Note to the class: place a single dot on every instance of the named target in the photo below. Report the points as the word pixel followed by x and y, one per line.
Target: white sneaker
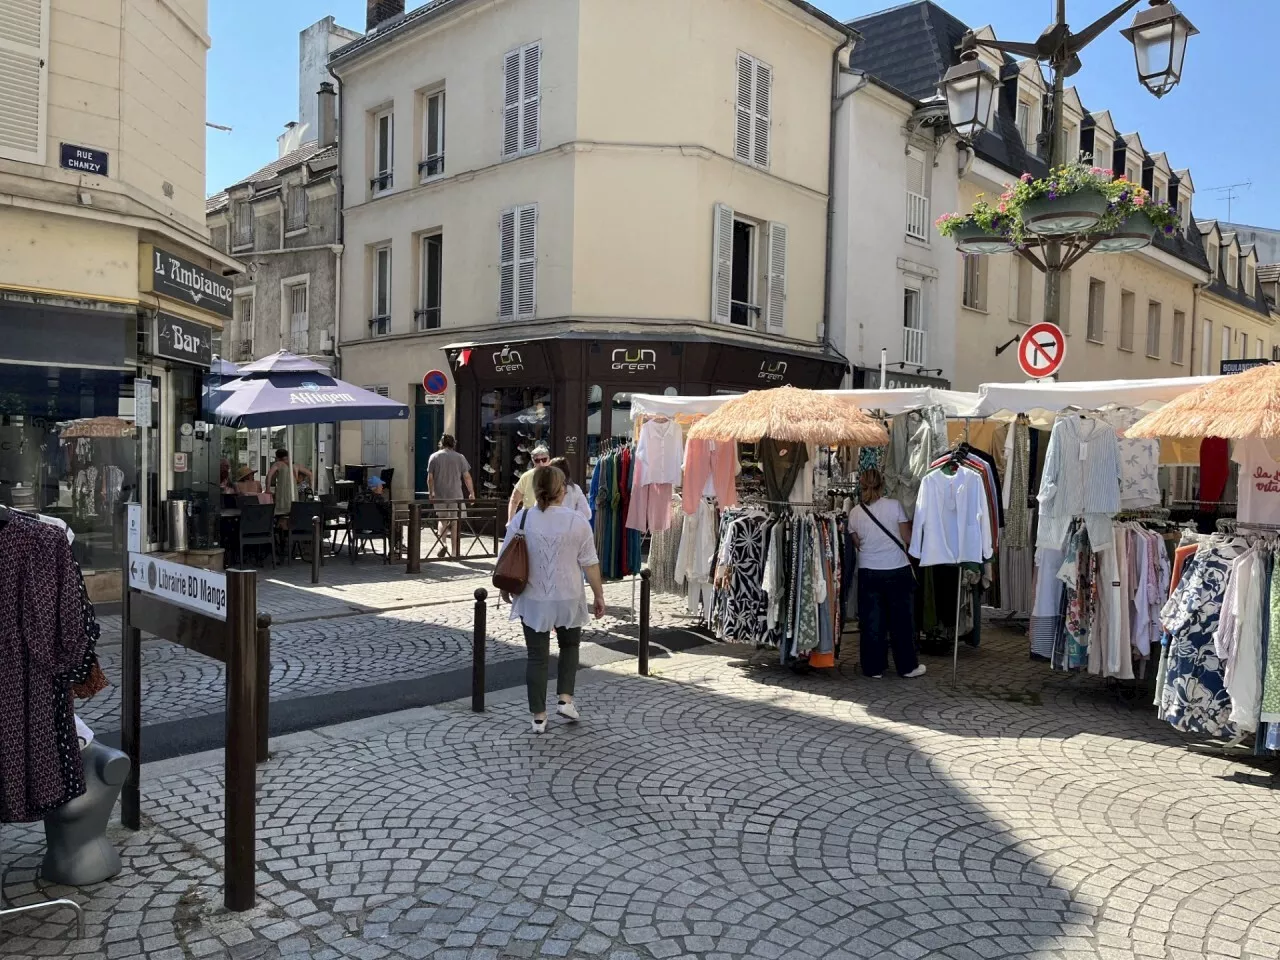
pixel 919 671
pixel 539 726
pixel 568 711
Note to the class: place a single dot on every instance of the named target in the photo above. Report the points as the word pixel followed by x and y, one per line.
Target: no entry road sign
pixel 1042 350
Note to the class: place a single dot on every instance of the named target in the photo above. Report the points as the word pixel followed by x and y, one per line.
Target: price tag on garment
pixel 1084 451
pixel 142 403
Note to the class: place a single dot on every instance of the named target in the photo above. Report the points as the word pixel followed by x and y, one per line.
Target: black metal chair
pixel 386 476
pixel 353 474
pixel 301 531
pixel 368 523
pixel 257 528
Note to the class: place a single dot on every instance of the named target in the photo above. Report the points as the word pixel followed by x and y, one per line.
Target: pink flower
pixel 1026 178
pixel 1140 200
pixel 1003 207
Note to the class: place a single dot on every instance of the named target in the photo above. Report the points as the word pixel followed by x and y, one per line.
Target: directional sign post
pixel 1042 350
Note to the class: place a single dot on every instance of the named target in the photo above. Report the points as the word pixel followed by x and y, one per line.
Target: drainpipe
pixel 1195 324
pixel 337 277
pixel 839 63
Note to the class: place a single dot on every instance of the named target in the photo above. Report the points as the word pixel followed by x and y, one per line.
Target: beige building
pixel 1236 322
pixel 555 234
pixel 1126 315
pixel 106 273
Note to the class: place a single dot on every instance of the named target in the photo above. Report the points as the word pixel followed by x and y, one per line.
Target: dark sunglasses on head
pixel 542 461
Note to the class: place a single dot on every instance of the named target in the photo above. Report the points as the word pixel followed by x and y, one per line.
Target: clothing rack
pixel 1233 526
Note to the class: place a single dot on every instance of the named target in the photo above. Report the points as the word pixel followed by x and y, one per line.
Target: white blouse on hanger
pixel 660 450
pixel 952 519
pixel 1081 479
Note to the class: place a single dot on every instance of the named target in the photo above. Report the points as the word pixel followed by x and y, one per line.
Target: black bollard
pixel 413 547
pixel 645 574
pixel 317 542
pixel 477 653
pixel 264 683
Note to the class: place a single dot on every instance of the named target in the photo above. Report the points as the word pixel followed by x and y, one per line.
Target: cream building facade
pixel 1236 319
pixel 553 235
pixel 106 272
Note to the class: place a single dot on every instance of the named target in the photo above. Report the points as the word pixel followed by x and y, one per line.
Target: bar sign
pixel 84 159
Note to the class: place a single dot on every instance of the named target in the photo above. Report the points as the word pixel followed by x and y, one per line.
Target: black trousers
pixel 886 608
pixel 568 639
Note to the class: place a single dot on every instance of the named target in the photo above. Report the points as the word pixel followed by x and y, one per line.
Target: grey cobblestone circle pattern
pixel 723 810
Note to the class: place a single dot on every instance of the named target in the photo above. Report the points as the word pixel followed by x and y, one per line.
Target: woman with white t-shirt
pixel 886 583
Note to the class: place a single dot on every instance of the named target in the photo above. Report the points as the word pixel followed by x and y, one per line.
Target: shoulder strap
pixel 883 528
pixel 524 515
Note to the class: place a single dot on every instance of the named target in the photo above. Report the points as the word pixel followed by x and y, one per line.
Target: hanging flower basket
pixel 1135 233
pixel 974 238
pixel 1064 214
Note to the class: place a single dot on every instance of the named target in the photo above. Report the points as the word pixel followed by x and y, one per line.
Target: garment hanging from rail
pixel 1081 479
pixel 696 556
pixel 1139 462
pixel 915 438
pixel 953 522
pixel 47 638
pixel 1017 479
pixel 664 548
pixel 710 469
pixel 610 497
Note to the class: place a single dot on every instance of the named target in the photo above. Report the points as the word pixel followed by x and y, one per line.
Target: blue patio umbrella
pixel 290 398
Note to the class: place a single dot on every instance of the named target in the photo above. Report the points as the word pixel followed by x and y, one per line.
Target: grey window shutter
pixel 507 264
pixel 527 252
pixel 745 105
pixel 24 83
pixel 776 305
pixel 511 105
pixel 764 93
pixel 722 264
pixel 530 97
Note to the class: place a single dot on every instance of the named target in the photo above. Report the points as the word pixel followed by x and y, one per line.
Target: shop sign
pixel 204 591
pixel 507 360
pixel 183 280
pixel 1229 367
pixel 84 159
pixel 142 403
pixel 634 360
pixel 868 378
pixel 773 371
pixel 184 340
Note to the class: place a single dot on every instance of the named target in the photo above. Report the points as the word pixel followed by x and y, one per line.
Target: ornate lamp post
pixel 1159 37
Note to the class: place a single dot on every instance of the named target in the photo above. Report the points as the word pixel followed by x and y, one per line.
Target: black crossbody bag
pixel 885 531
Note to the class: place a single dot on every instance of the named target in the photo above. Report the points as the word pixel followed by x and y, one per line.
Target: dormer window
pixel 1215 264
pixel 1250 278
pixel 1233 268
pixel 1071 149
pixel 1026 123
pixel 1159 191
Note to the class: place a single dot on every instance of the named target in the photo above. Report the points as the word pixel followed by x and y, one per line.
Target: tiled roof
pixel 307 153
pixel 406 21
pixel 909 47
pixel 1269 272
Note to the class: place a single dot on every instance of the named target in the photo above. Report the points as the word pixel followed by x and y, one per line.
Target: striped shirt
pixel 1081 479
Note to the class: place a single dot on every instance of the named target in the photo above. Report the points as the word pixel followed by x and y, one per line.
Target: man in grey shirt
pixel 447 472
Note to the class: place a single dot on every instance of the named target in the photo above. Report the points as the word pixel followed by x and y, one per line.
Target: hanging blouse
pixel 1081 479
pixel 1139 463
pixel 660 450
pixel 953 521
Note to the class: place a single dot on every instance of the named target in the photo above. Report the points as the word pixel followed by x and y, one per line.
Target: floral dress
pixel 1080 601
pixel 1194 696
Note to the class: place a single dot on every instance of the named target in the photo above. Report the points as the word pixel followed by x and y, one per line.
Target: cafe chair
pixel 353 474
pixel 386 476
pixel 368 523
pixel 301 531
pixel 257 528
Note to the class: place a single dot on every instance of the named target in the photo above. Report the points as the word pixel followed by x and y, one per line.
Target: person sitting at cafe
pixel 375 492
pixel 247 484
pixel 224 477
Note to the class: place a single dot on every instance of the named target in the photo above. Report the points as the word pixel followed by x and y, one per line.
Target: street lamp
pixel 970 90
pixel 1159 37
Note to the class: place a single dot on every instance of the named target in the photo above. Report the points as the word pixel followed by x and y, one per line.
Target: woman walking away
pixel 561 550
pixel 886 583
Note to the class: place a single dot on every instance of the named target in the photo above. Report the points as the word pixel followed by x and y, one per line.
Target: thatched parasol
pixel 97 428
pixel 787 413
pixel 1235 407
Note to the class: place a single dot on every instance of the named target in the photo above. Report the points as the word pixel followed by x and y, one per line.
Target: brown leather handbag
pixel 511 572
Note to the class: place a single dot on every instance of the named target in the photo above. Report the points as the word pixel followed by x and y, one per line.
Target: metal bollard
pixel 645 574
pixel 317 547
pixel 414 545
pixel 264 683
pixel 477 653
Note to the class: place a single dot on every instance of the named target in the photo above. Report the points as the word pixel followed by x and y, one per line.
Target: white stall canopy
pixel 955 403
pixel 1043 400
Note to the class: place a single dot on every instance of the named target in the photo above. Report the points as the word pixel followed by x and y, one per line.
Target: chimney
pixel 287 142
pixel 380 11
pixel 327 115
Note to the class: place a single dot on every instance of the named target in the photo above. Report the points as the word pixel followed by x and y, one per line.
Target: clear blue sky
pixel 1215 122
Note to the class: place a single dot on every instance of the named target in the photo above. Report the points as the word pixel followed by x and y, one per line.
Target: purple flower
pixel 1053 194
pixel 1168 229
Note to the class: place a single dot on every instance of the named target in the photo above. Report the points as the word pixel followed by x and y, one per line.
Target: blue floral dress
pixel 1194 697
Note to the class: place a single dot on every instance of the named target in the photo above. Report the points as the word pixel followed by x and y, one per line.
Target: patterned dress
pixel 1194 696
pixel 743 613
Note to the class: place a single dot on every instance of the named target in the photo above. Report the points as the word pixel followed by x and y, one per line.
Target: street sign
pixel 1042 350
pixel 134 521
pixel 142 403
pixel 204 591
pixel 1228 367
pixel 435 382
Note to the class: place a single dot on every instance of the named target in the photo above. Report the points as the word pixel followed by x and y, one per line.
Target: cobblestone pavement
pixel 725 809
pixel 333 654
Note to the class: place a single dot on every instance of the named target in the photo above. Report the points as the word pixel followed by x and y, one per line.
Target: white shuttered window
pixel 375 435
pixel 754 105
pixel 522 100
pixel 776 302
pixel 518 263
pixel 24 57
pixel 722 264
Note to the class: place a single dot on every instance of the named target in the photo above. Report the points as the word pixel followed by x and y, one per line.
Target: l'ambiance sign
pixel 181 279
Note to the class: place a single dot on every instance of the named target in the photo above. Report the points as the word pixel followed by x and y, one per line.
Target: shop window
pixel 512 421
pixel 595 403
pixel 620 416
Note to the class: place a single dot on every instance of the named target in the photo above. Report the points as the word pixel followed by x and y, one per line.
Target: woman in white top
pixel 561 550
pixel 574 498
pixel 886 584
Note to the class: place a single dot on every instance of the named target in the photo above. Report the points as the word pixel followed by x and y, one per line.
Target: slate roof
pixel 909 47
pixel 406 21
pixel 1268 272
pixel 310 152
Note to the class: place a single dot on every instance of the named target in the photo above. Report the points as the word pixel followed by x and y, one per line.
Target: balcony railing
pixel 427 318
pixel 917 215
pixel 913 345
pixel 745 314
